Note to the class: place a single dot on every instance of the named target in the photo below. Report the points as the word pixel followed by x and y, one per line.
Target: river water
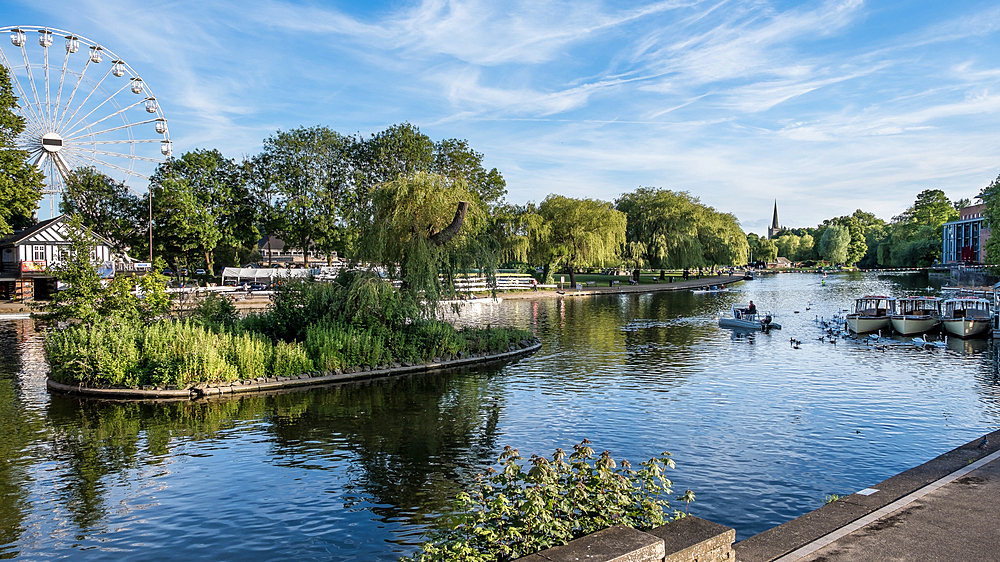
pixel 761 431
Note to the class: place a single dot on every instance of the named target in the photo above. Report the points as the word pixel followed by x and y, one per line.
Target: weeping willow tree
pixel 663 228
pixel 722 239
pixel 576 232
pixel 426 231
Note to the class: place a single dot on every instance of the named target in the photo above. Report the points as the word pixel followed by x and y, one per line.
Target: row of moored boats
pixel 964 317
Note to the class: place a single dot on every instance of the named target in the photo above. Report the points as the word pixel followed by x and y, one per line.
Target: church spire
pixel 775 228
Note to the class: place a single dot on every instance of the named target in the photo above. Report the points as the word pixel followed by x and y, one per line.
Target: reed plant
pixel 172 354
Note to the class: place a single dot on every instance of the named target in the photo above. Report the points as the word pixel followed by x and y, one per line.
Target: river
pixel 761 431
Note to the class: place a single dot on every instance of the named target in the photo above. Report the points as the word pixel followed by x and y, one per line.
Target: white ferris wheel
pixel 83 106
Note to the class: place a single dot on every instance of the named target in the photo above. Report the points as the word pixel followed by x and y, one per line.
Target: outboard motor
pixel 765 324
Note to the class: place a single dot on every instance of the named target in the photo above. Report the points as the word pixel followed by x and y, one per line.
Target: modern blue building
pixel 963 241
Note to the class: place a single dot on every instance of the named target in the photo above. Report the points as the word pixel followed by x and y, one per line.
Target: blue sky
pixel 825 106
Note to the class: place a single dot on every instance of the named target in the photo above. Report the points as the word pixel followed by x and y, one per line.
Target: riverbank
pixel 940 510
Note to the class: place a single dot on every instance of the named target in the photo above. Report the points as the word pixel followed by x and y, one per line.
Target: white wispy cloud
pixel 825 105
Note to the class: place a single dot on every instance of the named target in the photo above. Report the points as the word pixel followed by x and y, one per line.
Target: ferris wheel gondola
pixel 82 112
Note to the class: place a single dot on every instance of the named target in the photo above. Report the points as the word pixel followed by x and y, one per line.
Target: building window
pixel 38 253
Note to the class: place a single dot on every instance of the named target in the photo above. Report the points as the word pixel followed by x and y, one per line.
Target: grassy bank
pixel 311 326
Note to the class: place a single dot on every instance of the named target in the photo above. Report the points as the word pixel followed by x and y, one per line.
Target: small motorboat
pixel 966 316
pixel 741 318
pixel 710 289
pixel 916 315
pixel 871 314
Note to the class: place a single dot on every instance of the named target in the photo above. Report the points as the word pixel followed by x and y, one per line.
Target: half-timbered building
pixel 26 257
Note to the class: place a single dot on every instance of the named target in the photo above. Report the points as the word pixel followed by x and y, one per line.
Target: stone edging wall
pixel 314 378
pixel 689 539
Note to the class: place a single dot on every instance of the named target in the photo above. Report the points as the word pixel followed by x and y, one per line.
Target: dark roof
pixel 19 236
pixel 12 239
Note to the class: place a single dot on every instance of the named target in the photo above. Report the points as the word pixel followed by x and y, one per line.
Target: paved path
pixel 262 301
pixel 957 521
pixel 945 509
pixel 644 288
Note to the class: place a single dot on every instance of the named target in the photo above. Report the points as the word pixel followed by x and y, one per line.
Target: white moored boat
pixel 871 314
pixel 916 315
pixel 966 316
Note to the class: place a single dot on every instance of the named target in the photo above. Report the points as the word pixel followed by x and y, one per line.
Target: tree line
pixel 910 239
pixel 388 199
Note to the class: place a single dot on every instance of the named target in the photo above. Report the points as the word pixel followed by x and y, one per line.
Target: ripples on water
pixel 760 431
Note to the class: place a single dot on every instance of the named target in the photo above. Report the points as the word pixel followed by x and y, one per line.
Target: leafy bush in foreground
pixel 514 512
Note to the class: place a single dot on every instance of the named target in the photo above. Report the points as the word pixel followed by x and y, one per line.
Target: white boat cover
pixel 263 274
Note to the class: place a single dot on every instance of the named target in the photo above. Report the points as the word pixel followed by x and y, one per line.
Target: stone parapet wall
pixel 690 539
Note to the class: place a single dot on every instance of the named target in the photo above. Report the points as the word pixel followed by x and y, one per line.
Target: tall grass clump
pixel 104 353
pixel 170 354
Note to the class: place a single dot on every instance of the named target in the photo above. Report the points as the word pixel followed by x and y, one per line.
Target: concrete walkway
pixel 945 509
pixel 260 301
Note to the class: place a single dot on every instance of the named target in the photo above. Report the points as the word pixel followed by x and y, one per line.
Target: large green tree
pixel 20 182
pixel 835 245
pixel 662 228
pixel 402 151
pixel 915 235
pixel 722 240
pixel 311 171
pixel 426 230
pixel 108 208
pixel 199 203
pixel 581 232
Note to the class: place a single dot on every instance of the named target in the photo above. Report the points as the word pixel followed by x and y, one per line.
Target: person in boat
pixel 752 309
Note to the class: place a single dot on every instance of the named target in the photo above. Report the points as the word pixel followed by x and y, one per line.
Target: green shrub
pixel 514 513
pixel 216 311
pixel 288 359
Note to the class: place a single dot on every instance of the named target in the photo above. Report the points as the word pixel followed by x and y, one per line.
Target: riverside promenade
pixel 261 299
pixel 944 509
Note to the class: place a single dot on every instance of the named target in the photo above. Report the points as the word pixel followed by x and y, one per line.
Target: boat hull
pixel 750 325
pixel 911 325
pixel 966 327
pixel 865 324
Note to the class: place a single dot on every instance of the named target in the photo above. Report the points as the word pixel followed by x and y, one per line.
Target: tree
pixel 20 182
pixel 198 204
pixel 107 207
pixel 426 227
pixel 454 158
pixel 857 247
pixel 311 170
pixel 835 244
pixel 876 232
pixel 662 228
pixel 767 251
pixel 582 232
pixel 990 196
pixel 722 240
pixel 915 232
pixel 806 247
pixel 788 245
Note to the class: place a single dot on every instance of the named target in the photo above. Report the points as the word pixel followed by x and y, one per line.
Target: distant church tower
pixel 774 229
